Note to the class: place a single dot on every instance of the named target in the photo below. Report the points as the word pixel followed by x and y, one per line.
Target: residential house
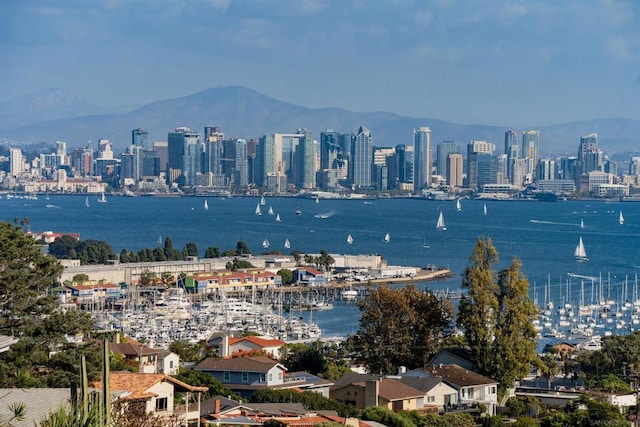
pixel 155 391
pixel 438 394
pixel 148 360
pixel 363 391
pixel 459 355
pixel 244 375
pixel 226 345
pixel 39 403
pixel 233 281
pixel 473 389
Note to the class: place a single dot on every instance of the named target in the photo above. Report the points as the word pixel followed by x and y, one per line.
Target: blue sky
pixel 510 63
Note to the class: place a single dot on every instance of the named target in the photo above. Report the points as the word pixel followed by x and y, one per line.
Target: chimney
pixel 371 392
pixel 216 409
pixel 402 370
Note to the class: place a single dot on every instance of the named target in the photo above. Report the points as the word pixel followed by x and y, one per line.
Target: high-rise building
pixel 214 151
pixel 305 164
pixel 589 156
pixel 361 157
pixel 454 170
pixel 474 148
pixel 241 172
pixel 530 142
pixel 140 138
pixel 442 155
pixel 546 170
pixel 178 140
pixel 487 170
pixel 16 161
pixel 61 151
pixel 422 160
pixel 511 150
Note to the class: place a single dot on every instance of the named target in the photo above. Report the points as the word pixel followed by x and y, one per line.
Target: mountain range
pixel 59 115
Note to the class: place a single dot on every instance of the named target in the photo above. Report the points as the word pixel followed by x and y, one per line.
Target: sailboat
pixel 271 211
pixel 581 223
pixel 458 205
pixel 206 206
pixel 102 198
pixel 621 219
pixel 159 239
pixel 287 244
pixel 258 209
pixel 317 199
pixel 484 209
pixel 277 217
pixel 580 253
pixel 265 243
pixel 440 225
pixel 424 243
pixel 387 238
pixel 86 201
pixel 263 201
pixel 349 239
pixel 298 211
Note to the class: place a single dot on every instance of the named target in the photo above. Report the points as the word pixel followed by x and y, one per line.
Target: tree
pixel 80 278
pixel 26 274
pixel 497 317
pixel 286 275
pixel 304 357
pixel 190 249
pixel 242 248
pixel 400 327
pixel 212 252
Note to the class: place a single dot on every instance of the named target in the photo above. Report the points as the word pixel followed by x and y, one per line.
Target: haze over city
pixel 509 63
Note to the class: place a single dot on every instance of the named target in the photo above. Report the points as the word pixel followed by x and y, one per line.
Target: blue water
pixel 543 235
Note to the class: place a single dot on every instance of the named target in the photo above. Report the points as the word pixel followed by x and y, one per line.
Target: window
pixel 270 377
pixel 161 404
pixel 280 376
pixel 493 390
pixel 171 364
pixel 226 376
pixel 431 399
pixel 263 378
pixel 245 377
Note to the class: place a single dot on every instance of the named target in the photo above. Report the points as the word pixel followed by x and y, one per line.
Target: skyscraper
pixel 422 160
pixel 454 170
pixel 473 149
pixel 530 141
pixel 305 160
pixel 140 138
pixel 511 150
pixel 361 157
pixel 178 140
pixel 16 161
pixel 589 156
pixel 442 155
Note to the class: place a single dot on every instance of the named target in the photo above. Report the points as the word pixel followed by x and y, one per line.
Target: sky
pixel 509 63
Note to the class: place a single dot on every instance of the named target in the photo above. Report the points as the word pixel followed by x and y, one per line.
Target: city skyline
pixel 515 64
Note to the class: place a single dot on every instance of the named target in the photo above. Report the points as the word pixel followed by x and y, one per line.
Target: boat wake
pixel 53 206
pixel 325 215
pixel 579 276
pixel 537 221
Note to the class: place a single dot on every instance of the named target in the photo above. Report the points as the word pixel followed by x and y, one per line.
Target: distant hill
pixel 245 113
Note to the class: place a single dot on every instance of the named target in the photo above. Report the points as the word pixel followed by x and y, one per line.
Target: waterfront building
pixel 82 160
pixel 361 158
pixel 455 170
pixel 178 141
pixel 382 156
pixel 444 149
pixel 546 170
pixel 333 160
pixel 422 160
pixel 530 142
pixel 474 148
pixel 486 169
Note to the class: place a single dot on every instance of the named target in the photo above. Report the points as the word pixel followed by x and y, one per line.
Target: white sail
pixel 263 201
pixel 265 243
pixel 621 219
pixel 580 253
pixel 387 238
pixel 349 239
pixel 159 241
pixel 278 218
pixel 86 201
pixel 440 225
pixel 102 198
pixel 581 223
pixel 287 244
pixel 458 205
pixel 317 199
pixel 484 209
pixel 271 211
pixel 258 209
pixel 206 206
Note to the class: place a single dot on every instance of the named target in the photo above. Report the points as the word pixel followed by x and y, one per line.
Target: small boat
pixel 581 223
pixel 298 211
pixel 271 212
pixel 102 198
pixel 277 217
pixel 265 243
pixel 440 224
pixel 349 294
pixel 258 212
pixel 387 238
pixel 159 241
pixel 317 199
pixel 484 209
pixel 287 244
pixel 206 206
pixel 621 218
pixel 349 239
pixel 263 201
pixel 86 201
pixel 458 205
pixel 424 244
pixel 580 254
